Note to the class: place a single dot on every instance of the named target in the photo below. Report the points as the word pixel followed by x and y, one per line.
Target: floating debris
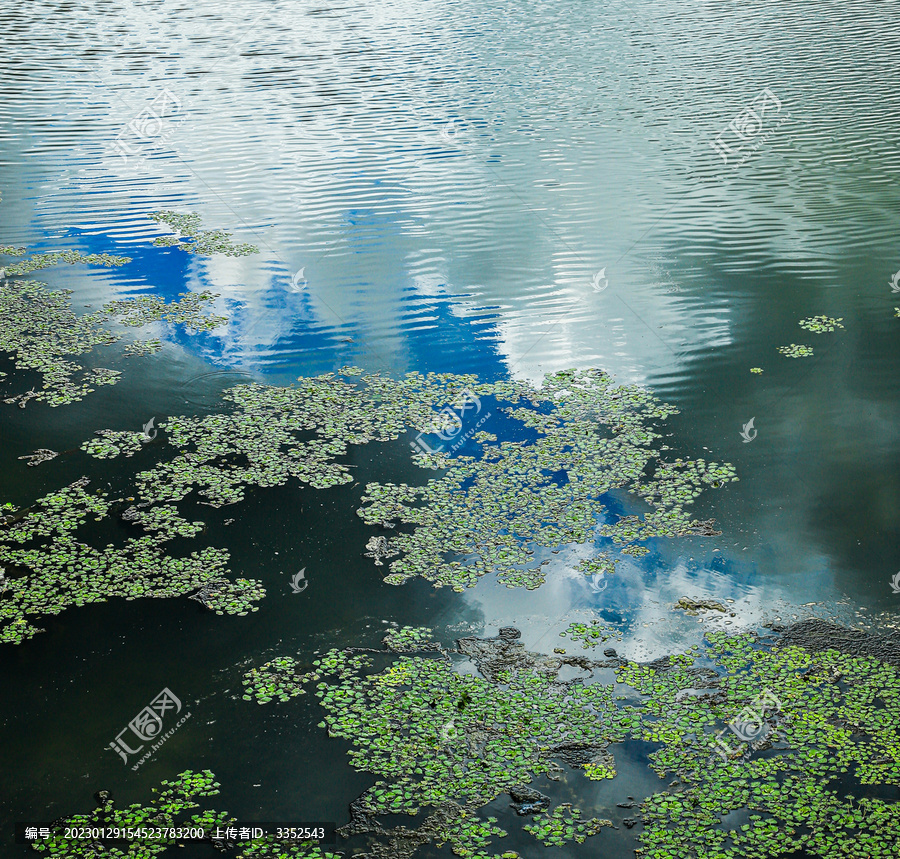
pixel 193 239
pixel 795 351
pixel 377 548
pixel 42 454
pixel 756 370
pixel 821 324
pixel 692 607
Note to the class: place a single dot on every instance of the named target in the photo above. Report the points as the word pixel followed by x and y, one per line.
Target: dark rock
pixel 528 801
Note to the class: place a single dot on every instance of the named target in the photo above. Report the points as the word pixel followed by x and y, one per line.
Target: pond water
pixel 496 189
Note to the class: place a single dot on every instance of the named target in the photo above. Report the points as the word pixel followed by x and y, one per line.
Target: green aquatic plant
pixel 141 348
pixel 821 324
pixel 756 370
pixel 189 310
pixel 480 515
pixel 52 570
pixel 170 808
pixel 445 743
pixel 590 634
pixel 193 239
pixel 38 261
pixel 278 678
pixel 564 824
pixel 795 351
pixel 810 769
pixel 40 332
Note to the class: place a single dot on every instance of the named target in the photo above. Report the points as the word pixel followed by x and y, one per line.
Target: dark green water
pixel 452 178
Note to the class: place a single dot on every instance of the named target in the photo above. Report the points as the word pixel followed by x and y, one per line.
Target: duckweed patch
pixel 814 784
pixel 795 351
pixel 38 261
pixel 188 311
pixel 590 634
pixel 171 808
pixel 821 324
pixel 40 331
pixel 192 239
pixel 142 348
pixel 564 824
pixel 53 570
pixel 481 515
pixel 756 370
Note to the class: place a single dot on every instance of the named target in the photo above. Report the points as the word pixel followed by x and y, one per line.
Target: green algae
pixel 54 570
pixel 756 370
pixel 36 262
pixel 191 238
pixel 795 351
pixel 811 783
pixel 821 324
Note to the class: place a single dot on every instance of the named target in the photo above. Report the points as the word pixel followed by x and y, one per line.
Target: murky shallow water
pixel 501 190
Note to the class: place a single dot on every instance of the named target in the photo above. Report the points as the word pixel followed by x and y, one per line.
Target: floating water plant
pixel 821 324
pixel 38 261
pixel 479 516
pixel 820 782
pixel 795 351
pixel 52 570
pixel 564 824
pixel 169 809
pixel 40 331
pixel 756 370
pixel 590 634
pixel 189 311
pixel 193 239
